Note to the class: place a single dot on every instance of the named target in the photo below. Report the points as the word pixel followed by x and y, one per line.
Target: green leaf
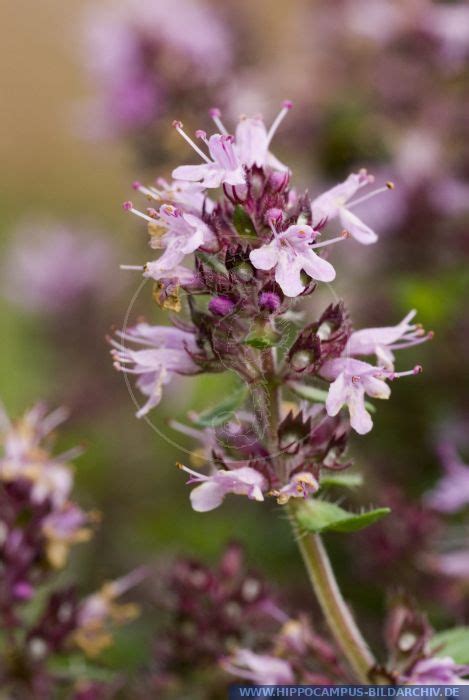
pixel 321 516
pixel 350 481
pixel 316 395
pixel 219 414
pixel 456 644
pixel 243 223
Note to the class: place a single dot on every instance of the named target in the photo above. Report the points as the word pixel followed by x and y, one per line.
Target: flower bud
pixel 221 306
pixel 270 301
pixel 274 216
pixel 279 180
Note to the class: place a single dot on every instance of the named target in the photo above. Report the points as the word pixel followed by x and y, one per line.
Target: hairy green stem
pixel 338 616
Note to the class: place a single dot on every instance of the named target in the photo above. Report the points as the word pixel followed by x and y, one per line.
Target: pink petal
pixel 193 173
pixel 287 275
pixel 317 268
pixel 266 257
pixel 207 496
pixel 337 395
pixel 360 231
pixel 360 419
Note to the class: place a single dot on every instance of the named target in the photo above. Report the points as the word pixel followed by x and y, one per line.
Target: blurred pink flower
pixel 451 493
pixel 140 54
pixel 261 669
pixel 437 671
pixel 48 268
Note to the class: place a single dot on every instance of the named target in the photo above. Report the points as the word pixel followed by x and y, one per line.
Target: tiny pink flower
pixel 167 352
pixel 252 145
pixel 185 233
pixel 289 253
pixel 223 166
pixel 212 490
pixel 261 669
pixel 334 202
pixel 351 380
pixel 382 341
pixel 300 485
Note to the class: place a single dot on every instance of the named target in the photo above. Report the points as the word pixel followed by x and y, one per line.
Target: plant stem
pixel 338 616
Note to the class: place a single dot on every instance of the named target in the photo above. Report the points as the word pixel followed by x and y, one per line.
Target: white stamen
pixel 218 122
pixel 193 144
pixel 365 197
pixel 276 123
pixel 142 215
pixel 132 267
pixel 149 192
pixel 191 471
pixel 329 242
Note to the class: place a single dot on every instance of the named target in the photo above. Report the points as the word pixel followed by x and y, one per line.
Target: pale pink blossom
pixel 223 166
pixel 167 351
pixel 184 233
pixel 290 252
pixel 243 481
pixel 260 669
pixel 230 155
pixel 51 266
pixel 301 485
pixel 382 341
pixel 351 381
pixel 24 457
pixel 100 611
pixel 252 144
pixel 336 203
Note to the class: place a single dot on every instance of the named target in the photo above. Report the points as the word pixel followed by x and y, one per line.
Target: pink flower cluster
pixel 241 262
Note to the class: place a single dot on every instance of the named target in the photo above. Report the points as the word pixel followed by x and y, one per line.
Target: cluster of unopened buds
pixel 39 523
pixel 244 266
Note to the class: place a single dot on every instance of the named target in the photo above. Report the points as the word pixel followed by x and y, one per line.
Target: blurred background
pixel 89 93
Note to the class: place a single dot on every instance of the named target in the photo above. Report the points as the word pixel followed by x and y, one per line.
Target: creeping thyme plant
pixel 242 253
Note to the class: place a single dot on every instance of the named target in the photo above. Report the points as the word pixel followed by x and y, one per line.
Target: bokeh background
pixel 382 85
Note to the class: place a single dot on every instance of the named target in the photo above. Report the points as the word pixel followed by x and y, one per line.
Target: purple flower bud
pixel 221 306
pixel 279 180
pixel 274 216
pixel 270 301
pixel 23 590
